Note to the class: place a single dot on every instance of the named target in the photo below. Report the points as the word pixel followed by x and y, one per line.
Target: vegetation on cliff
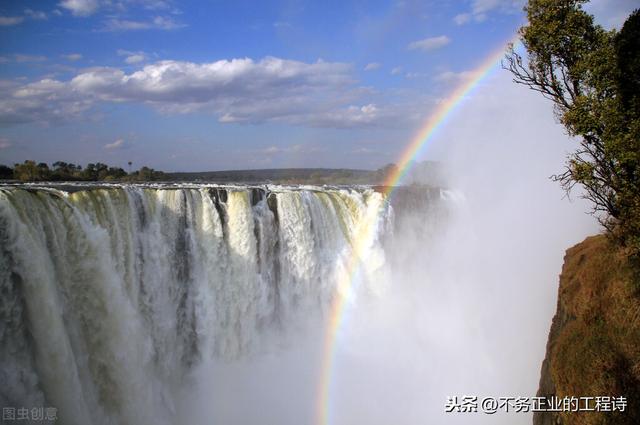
pixel 592 76
pixel 594 342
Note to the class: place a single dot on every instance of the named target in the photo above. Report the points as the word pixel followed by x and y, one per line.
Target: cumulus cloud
pixel 6 21
pixel 237 90
pixel 132 57
pixel 371 66
pixel 431 43
pixel 397 70
pixel 80 7
pixel 46 100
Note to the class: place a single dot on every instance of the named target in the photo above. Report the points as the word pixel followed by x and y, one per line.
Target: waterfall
pixel 111 294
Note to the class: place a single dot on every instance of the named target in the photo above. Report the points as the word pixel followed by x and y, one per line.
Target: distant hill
pixel 285 175
pixel 427 172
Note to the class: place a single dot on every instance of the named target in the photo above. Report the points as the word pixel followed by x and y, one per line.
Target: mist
pixel 468 306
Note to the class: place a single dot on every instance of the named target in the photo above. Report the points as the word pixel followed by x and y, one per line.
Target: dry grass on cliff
pixel 597 351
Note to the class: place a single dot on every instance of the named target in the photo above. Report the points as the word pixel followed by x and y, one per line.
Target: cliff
pixel 594 342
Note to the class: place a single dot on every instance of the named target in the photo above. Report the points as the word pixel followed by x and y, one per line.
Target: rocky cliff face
pixel 594 342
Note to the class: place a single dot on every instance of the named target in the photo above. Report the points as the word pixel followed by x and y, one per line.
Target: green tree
pixel 591 76
pixel 65 171
pixel 101 171
pixel 115 173
pixel 6 173
pixel 30 171
pixel 43 171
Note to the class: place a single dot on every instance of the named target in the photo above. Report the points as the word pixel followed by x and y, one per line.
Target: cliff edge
pixel 594 342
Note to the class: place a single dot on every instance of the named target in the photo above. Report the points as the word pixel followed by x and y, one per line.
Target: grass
pixel 594 349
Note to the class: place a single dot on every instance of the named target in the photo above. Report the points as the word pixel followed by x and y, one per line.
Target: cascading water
pixel 112 294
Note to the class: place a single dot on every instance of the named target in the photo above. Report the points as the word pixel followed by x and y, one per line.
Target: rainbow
pixel 365 233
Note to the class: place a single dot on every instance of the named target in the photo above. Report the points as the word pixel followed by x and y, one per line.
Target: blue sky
pixel 207 85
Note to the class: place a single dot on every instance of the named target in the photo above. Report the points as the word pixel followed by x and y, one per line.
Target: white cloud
pixel 351 116
pixel 271 150
pixel 80 7
pixel 397 70
pixel 157 23
pixel 72 57
pixel 371 66
pixel 450 76
pixel 37 15
pixel 462 18
pixel 166 23
pixel 322 94
pixel 126 25
pixel 46 87
pixel 6 21
pixel 157 5
pixel 134 59
pixel 118 144
pixel 83 8
pixel 46 100
pixel 4 143
pixel 483 6
pixel 431 43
